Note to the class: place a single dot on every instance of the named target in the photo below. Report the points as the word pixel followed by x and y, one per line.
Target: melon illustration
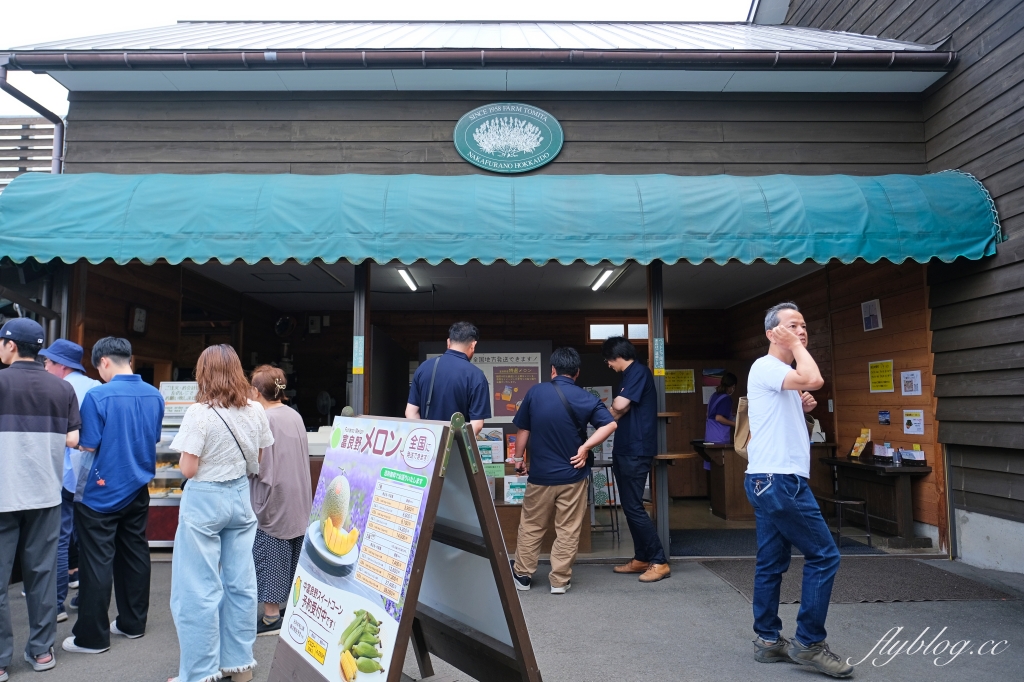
pixel 336 501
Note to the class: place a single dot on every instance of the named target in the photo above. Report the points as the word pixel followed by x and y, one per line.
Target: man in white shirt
pixel 779 464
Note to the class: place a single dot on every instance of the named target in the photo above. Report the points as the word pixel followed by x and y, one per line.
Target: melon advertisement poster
pixel 357 556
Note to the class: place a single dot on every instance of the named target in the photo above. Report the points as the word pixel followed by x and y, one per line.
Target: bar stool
pixel 841 502
pixel 613 509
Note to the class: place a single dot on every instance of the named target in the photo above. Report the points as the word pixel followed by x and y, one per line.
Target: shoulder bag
pixel 248 468
pixel 580 431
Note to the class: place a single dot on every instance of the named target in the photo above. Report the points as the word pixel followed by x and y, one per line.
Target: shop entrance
pixel 302 318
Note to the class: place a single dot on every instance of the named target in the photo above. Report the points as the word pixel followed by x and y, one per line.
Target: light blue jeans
pixel 213 580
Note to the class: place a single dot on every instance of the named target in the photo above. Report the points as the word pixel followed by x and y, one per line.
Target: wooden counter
pixel 728 496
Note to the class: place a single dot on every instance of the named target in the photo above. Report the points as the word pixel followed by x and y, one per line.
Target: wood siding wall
pixel 973 120
pixel 972 117
pixel 978 338
pixel 830 301
pixel 323 133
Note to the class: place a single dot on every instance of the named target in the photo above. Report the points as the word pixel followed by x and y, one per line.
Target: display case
pixel 164 492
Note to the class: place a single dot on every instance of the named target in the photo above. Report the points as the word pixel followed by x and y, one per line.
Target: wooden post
pixel 656 361
pixel 360 340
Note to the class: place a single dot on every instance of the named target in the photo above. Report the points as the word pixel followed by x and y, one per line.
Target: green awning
pixel 477 217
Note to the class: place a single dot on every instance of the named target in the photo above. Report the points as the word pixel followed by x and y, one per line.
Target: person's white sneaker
pixel 115 631
pixel 561 590
pixel 62 616
pixel 69 645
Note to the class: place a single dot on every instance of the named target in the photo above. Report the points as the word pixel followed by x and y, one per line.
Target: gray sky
pixel 25 23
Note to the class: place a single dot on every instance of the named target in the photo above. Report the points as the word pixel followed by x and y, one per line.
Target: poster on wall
pixel 871 315
pixel 510 376
pixel 910 382
pixel 679 381
pixel 880 376
pixel 349 590
pixel 913 422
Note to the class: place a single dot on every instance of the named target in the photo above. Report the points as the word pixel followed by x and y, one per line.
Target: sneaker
pixel 73 579
pixel 772 652
pixel 37 665
pixel 561 590
pixel 819 657
pixel 3 675
pixel 73 604
pixel 115 631
pixel 62 616
pixel 523 582
pixel 264 628
pixel 69 645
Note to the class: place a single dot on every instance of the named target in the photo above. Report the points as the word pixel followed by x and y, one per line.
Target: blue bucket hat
pixel 64 352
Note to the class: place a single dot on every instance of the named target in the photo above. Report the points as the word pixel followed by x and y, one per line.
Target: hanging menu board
pixel 510 376
pixel 356 599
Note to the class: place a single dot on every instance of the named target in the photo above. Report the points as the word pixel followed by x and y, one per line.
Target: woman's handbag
pixel 742 429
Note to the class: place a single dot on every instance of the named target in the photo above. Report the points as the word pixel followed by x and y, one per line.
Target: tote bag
pixel 742 429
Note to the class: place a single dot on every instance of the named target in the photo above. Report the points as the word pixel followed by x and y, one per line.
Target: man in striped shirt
pixel 38 419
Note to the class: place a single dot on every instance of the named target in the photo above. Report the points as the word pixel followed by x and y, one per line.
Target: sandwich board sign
pixel 403 545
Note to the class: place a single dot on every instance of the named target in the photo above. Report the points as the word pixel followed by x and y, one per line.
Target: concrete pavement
pixel 692 627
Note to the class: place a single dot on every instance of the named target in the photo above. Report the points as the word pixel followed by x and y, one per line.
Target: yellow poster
pixel 880 376
pixel 679 381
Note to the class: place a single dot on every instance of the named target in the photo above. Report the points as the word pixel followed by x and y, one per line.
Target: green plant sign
pixel 508 138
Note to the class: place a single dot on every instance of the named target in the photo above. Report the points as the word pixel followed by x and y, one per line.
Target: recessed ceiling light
pixel 407 276
pixel 602 278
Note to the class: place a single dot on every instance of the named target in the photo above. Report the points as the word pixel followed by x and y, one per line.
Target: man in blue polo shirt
pixel 553 420
pixel 121 427
pixel 636 443
pixel 451 383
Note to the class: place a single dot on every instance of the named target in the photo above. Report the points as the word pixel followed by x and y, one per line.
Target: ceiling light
pixel 602 278
pixel 407 276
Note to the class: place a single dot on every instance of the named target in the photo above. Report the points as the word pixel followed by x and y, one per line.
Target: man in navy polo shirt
pixel 451 383
pixel 121 427
pixel 556 432
pixel 636 443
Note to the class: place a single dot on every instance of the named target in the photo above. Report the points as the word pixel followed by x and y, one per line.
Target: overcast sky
pixel 25 23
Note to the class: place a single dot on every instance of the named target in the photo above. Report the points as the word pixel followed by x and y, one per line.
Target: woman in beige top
pixel 281 497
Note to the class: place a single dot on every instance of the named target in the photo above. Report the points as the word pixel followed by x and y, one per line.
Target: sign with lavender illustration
pixel 508 137
pixel 357 556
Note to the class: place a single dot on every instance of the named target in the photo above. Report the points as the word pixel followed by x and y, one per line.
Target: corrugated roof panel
pixel 476 35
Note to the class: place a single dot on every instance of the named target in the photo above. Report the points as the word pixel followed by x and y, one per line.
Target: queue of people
pixel 76 501
pixel 84 473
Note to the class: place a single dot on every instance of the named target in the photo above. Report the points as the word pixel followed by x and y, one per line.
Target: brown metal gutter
pixel 57 121
pixel 482 59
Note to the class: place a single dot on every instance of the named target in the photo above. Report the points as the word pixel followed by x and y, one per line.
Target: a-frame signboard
pixel 403 546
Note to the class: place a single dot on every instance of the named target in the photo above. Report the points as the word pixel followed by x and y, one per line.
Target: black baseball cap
pixel 22 329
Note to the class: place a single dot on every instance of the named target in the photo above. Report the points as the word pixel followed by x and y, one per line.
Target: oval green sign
pixel 508 137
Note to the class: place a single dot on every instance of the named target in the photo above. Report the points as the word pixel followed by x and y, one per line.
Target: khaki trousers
pixel 567 504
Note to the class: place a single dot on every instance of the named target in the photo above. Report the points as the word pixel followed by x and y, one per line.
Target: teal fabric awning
pixel 477 217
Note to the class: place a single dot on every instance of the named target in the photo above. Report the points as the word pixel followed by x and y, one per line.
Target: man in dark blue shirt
pixel 553 420
pixel 120 429
pixel 451 383
pixel 636 443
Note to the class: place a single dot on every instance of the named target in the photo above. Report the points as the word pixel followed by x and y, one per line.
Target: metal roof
pixel 478 35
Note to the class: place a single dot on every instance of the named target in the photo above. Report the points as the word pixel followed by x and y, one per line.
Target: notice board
pixel 403 545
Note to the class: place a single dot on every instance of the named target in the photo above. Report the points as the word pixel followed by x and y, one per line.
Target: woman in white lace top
pixel 213 581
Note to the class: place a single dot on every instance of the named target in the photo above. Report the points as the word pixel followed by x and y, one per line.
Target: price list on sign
pixel 390 530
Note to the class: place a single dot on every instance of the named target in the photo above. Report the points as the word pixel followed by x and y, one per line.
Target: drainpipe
pixel 58 122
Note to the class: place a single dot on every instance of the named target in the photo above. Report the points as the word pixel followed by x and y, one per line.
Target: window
pixel 634 329
pixel 600 332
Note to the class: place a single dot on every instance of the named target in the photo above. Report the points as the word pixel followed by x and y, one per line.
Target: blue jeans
pixel 631 477
pixel 67 537
pixel 787 516
pixel 213 580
